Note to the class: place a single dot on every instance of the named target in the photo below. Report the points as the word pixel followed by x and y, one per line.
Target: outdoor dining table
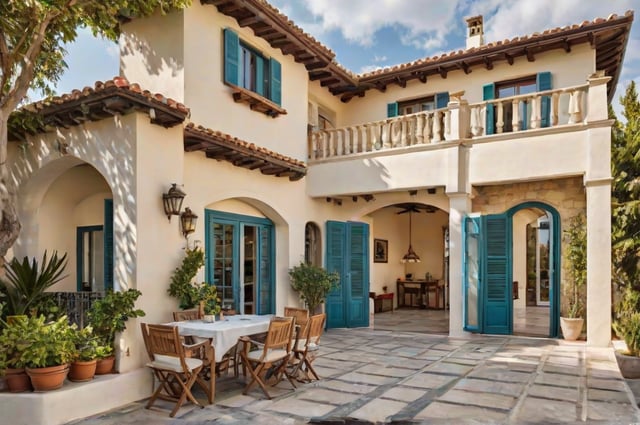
pixel 225 333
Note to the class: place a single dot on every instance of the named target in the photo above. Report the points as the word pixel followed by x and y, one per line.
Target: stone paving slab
pixel 480 380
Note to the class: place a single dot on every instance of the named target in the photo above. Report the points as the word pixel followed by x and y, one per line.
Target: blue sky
pixel 367 34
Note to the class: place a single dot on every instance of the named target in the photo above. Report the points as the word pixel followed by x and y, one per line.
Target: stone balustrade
pixel 460 120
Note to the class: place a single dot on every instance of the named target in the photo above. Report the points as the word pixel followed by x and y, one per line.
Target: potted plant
pixel 109 316
pixel 209 301
pixel 313 283
pixel 47 351
pixel 83 367
pixel 25 283
pixel 11 363
pixel 576 256
pixel 627 327
pixel 182 286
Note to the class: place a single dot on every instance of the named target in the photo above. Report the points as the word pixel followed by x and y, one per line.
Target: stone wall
pixel 567 195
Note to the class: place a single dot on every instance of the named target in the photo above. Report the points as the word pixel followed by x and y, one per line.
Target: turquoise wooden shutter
pixel 543 82
pixel 488 93
pixel 442 100
pixel 231 57
pixel 471 273
pixel 358 275
pixel 260 75
pixel 266 292
pixel 335 307
pixel 392 110
pixel 108 244
pixel 497 275
pixel 275 81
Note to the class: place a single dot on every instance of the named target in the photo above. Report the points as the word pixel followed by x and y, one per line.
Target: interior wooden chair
pixel 179 316
pixel 305 349
pixel 274 353
pixel 176 373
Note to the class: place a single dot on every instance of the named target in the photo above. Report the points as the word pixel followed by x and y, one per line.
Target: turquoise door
pixel 487 305
pixel 348 254
pixel 498 306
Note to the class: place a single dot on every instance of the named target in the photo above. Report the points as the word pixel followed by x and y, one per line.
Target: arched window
pixel 312 244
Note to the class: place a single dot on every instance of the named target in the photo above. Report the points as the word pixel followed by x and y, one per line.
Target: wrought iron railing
pixel 76 305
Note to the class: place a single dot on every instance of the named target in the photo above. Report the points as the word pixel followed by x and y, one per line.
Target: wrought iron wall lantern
pixel 188 222
pixel 172 201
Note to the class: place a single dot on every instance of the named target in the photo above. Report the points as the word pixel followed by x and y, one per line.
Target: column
pixel 598 262
pixel 459 206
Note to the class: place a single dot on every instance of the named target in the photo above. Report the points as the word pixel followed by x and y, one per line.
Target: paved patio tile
pixel 496 401
pixel 607 384
pixel 486 386
pixel 349 387
pixel 323 395
pixel 302 408
pixel 374 369
pixel 453 412
pixel 607 395
pixel 378 410
pixel 565 370
pixel 612 412
pixel 404 394
pixel 537 410
pixel 367 379
pixel 450 368
pixel 558 379
pixel 496 373
pixel 429 380
pixel 554 393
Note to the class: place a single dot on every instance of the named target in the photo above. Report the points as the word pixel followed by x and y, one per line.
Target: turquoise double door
pixel 488 274
pixel 347 252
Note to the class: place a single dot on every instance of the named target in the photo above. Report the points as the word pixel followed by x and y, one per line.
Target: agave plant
pixel 26 281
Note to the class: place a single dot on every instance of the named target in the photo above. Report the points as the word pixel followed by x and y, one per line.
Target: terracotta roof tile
pixel 118 82
pixel 243 143
pixel 506 42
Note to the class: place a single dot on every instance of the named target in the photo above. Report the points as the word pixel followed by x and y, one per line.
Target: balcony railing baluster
pixel 565 106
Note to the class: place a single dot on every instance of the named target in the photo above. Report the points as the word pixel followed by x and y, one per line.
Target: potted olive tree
pixel 313 283
pixel 576 255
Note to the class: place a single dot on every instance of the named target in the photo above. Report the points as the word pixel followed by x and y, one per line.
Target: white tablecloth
pixel 225 333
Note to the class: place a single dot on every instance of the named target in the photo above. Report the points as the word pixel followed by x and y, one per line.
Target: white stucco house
pixel 286 156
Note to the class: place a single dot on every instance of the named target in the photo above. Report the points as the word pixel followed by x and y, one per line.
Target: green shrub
pixel 109 315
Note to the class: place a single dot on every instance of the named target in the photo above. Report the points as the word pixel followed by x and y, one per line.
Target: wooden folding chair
pixel 307 346
pixel 179 316
pixel 274 353
pixel 176 373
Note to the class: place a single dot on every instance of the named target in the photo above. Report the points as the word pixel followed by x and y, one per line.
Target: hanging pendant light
pixel 410 256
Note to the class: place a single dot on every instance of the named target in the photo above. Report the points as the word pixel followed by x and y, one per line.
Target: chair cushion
pixel 300 346
pixel 173 363
pixel 272 355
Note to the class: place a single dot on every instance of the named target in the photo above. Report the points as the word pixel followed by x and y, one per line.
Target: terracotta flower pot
pixel 81 371
pixel 105 365
pixel 48 378
pixel 17 380
pixel 571 328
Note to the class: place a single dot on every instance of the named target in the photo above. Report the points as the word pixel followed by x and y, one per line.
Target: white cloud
pixel 423 22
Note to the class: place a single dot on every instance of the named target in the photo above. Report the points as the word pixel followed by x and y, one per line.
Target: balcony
pixel 514 117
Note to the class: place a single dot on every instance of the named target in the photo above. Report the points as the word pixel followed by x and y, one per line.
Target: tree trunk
pixel 9 223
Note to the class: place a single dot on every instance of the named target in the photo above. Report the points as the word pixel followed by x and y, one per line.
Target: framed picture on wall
pixel 380 250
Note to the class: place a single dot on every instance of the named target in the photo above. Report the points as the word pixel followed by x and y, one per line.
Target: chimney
pixel 475 32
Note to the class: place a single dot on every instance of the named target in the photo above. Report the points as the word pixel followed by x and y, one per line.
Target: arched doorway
pixel 495 251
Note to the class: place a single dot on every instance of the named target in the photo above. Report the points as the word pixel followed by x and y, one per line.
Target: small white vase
pixel 209 318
